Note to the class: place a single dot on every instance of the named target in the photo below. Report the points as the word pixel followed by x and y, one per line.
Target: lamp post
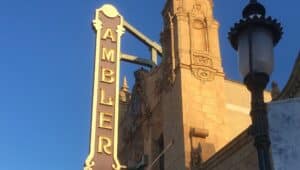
pixel 254 38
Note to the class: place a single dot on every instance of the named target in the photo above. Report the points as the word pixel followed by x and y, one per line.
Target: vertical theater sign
pixel 108 25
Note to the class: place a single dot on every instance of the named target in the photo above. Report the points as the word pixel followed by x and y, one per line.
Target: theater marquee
pixel 108 25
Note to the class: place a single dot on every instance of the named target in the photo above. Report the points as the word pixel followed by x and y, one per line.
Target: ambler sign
pixel 108 25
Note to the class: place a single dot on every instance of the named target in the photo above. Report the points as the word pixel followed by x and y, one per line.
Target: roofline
pixel 291 87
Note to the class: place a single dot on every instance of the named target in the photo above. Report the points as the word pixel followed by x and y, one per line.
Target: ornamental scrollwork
pixel 202 67
pixel 203 74
pixel 202 61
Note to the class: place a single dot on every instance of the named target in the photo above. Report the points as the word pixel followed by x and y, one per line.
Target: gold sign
pixel 108 24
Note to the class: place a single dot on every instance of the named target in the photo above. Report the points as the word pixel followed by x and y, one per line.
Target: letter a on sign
pixel 109 34
pixel 103 155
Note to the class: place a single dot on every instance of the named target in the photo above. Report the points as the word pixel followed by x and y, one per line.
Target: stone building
pixel 184 113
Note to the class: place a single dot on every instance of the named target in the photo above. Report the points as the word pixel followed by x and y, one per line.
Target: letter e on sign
pixel 105 120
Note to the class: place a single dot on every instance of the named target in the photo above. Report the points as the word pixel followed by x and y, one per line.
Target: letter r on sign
pixel 104 145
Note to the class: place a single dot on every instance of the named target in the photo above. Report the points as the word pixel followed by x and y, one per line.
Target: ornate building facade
pixel 184 113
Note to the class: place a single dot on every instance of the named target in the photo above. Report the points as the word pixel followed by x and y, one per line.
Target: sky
pixel 46 70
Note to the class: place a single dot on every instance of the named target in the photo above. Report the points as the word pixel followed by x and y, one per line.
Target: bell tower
pixel 190 44
pixel 191 36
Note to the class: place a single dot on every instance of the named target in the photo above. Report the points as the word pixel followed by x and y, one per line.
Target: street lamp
pixel 254 38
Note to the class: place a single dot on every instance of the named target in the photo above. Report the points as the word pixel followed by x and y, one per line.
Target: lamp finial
pixel 254 8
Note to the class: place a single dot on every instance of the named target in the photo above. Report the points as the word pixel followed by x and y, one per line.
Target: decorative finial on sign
pixel 110 10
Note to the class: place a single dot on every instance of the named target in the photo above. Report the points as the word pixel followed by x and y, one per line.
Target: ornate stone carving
pixel 199 11
pixel 202 67
pixel 202 9
pixel 137 104
pixel 124 92
pixel 202 60
pixel 199 24
pixel 179 6
pixel 169 77
pixel 203 74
